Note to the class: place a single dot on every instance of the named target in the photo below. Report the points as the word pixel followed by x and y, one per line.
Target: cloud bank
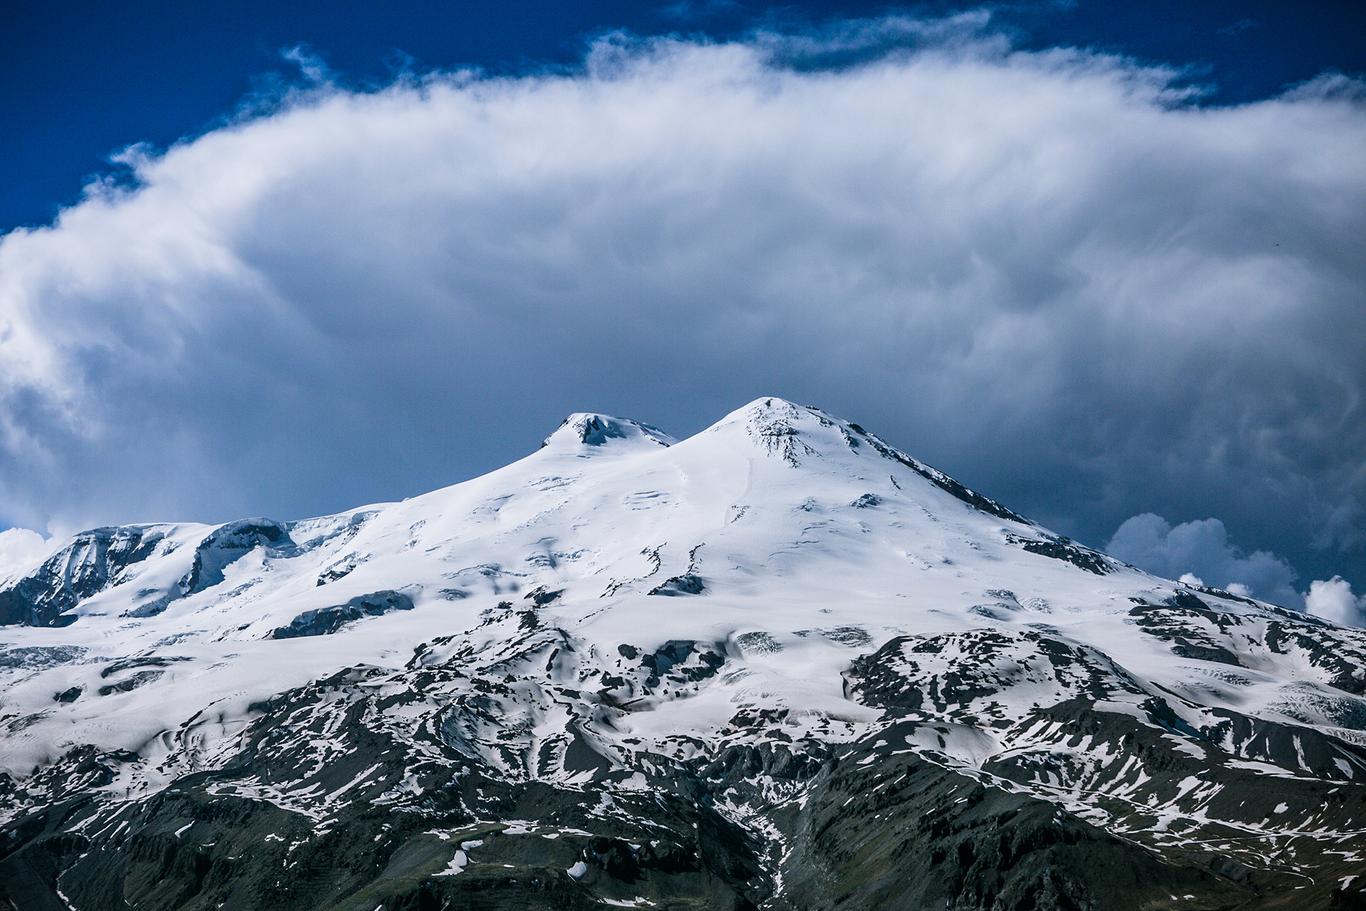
pixel 21 550
pixel 1334 600
pixel 1055 274
pixel 1200 553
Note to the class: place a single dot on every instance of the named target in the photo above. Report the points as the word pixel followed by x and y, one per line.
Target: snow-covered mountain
pixel 779 664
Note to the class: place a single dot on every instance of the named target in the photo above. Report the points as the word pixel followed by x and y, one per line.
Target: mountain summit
pixel 778 664
pixel 588 429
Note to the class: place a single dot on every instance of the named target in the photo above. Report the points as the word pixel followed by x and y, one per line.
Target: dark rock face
pixel 129 683
pixel 597 431
pixel 680 660
pixel 327 620
pixel 1197 630
pixel 937 478
pixel 894 831
pixel 90 563
pixel 102 557
pixel 226 544
pixel 1060 548
pixel 686 584
pixel 329 802
pixel 70 694
pixel 1342 663
pixel 540 597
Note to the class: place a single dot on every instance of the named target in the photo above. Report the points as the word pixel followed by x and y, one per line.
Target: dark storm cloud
pixel 1054 274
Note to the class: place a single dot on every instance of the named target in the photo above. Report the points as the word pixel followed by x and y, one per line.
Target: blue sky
pixel 81 80
pixel 1101 260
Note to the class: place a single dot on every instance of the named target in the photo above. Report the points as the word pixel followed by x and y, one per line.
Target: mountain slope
pixel 777 664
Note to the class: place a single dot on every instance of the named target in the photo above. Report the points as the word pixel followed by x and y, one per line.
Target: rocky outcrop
pixel 92 561
pixel 326 620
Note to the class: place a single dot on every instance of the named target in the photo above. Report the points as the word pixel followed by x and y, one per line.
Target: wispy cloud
pixel 1233 29
pixel 691 11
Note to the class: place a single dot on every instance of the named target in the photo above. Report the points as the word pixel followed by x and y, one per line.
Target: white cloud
pixel 1193 552
pixel 1333 600
pixel 20 550
pixel 1200 551
pixel 1044 271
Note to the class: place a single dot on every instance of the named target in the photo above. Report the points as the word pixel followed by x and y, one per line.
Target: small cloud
pixel 694 10
pixel 311 66
pixel 1333 599
pixel 1237 28
pixel 21 549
